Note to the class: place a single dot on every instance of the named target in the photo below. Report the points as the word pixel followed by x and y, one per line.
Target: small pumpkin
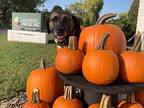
pixel 68 100
pixel 59 48
pixel 36 102
pixel 130 103
pixel 91 35
pixel 105 102
pixel 140 96
pixel 101 66
pixel 121 103
pixel 132 66
pixel 47 80
pixel 69 60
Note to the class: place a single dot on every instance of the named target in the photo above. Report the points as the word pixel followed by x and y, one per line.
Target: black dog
pixel 63 25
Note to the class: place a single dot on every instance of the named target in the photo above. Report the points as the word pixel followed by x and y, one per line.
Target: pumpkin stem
pixel 42 64
pixel 72 43
pixel 103 41
pixel 102 100
pixel 105 17
pixel 68 93
pixel 36 96
pixel 105 101
pixel 131 98
pixel 137 43
pixel 70 90
pixel 65 92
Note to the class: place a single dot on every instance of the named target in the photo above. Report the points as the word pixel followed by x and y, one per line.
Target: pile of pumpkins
pixel 100 56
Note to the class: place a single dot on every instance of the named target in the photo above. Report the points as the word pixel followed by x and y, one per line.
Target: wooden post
pixel 140 21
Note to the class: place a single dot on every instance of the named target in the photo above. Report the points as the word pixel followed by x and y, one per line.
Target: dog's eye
pixel 66 18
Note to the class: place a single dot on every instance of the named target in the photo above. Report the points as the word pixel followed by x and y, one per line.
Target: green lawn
pixel 17 60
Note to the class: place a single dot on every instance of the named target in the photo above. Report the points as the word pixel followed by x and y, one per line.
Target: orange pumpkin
pixel 47 81
pixel 91 35
pixel 121 103
pixel 101 67
pixel 36 103
pixel 69 60
pixel 140 97
pixel 67 101
pixel 59 48
pixel 105 103
pixel 96 105
pixel 132 66
pixel 130 103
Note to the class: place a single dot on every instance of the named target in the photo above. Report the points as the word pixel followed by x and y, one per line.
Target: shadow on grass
pixel 51 41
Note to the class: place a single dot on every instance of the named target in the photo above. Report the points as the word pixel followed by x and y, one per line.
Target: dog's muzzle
pixel 61 40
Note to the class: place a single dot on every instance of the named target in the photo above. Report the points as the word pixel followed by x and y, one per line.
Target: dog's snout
pixel 59 29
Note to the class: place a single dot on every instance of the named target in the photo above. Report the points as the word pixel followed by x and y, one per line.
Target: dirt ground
pixel 15 102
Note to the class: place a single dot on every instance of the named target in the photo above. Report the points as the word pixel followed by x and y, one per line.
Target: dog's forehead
pixel 59 15
pixel 53 14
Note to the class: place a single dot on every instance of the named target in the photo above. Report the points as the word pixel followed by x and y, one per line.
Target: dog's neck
pixel 59 46
pixel 65 44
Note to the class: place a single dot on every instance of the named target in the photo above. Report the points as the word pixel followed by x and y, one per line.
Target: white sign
pixel 27 36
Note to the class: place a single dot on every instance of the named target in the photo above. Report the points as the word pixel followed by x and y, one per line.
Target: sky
pixel 117 6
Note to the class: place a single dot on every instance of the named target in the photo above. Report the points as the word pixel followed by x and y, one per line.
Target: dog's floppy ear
pixel 47 25
pixel 77 29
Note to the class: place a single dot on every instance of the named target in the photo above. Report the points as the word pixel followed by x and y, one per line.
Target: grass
pixel 17 60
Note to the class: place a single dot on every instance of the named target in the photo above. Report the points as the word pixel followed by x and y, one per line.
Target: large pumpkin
pixel 101 66
pixel 91 35
pixel 140 96
pixel 47 81
pixel 68 100
pixel 36 102
pixel 132 66
pixel 130 103
pixel 69 60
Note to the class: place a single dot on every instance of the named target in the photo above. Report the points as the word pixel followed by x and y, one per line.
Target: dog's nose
pixel 59 30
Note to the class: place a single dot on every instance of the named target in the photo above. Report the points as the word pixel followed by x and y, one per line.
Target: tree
pixel 9 6
pixel 128 21
pixel 57 8
pixel 45 14
pixel 125 24
pixel 87 10
pixel 132 15
pixel 133 12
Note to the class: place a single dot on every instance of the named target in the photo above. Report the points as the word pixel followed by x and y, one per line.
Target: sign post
pixel 26 27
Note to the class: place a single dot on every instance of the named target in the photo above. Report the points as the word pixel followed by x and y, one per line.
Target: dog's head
pixel 62 25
